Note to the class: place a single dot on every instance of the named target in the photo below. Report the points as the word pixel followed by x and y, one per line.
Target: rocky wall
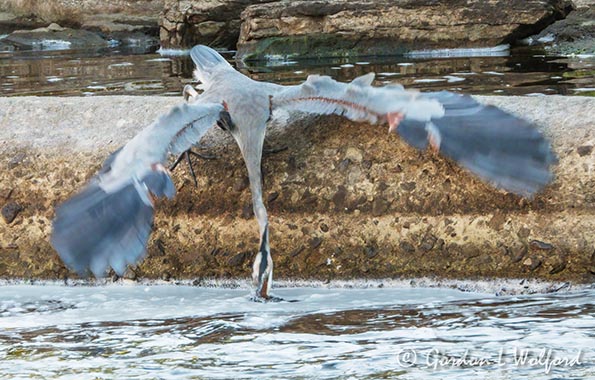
pixel 345 200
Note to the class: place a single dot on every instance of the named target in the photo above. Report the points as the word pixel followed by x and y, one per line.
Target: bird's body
pixel 500 148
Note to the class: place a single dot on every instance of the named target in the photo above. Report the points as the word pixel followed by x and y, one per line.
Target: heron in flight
pixel 108 224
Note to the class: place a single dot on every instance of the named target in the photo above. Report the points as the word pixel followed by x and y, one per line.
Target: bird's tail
pixel 502 149
pixel 207 62
pixel 96 229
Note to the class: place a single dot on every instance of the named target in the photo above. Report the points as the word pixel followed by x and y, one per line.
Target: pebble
pixel 10 211
pixel 247 211
pixel 6 193
pixel 344 165
pixel 518 253
pixel 537 244
pixel 408 186
pixel 340 196
pixel 428 243
pixel 559 267
pixel 407 247
pixel 370 251
pixel 16 160
pixel 532 263
pixel 237 260
pixel 584 150
pixel 379 207
pixel 315 242
pixel 272 196
pixel 354 154
pixel 240 184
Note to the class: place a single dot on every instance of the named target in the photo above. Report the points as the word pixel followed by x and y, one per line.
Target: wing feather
pixel 505 150
pixel 358 100
pixel 109 222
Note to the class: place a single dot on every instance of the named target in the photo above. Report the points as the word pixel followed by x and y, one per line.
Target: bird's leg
pixel 279 149
pixel 262 271
pixel 187 155
pixel 190 95
pixel 262 274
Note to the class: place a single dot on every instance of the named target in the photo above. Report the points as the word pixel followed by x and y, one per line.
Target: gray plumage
pixel 500 148
pixel 109 222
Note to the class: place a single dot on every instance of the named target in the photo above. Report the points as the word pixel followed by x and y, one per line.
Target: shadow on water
pixel 130 71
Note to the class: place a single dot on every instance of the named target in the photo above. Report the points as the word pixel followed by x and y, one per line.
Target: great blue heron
pixel 116 209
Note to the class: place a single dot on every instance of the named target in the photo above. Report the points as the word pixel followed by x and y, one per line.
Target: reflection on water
pixel 177 332
pixel 119 71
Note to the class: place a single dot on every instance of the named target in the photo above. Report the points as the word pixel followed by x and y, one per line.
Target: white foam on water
pixel 347 65
pixel 492 73
pixel 429 80
pixel 173 52
pixel 274 60
pixel 497 51
pixel 52 45
pixel 127 330
pixel 547 38
pixel 96 87
pixel 584 89
pixel 122 64
pixel 159 60
pixel 113 43
pixel 453 79
pixel 105 303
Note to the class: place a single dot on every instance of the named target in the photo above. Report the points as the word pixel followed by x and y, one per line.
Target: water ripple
pixel 180 332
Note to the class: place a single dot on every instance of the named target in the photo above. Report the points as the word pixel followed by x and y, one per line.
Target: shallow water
pixel 135 71
pixel 182 332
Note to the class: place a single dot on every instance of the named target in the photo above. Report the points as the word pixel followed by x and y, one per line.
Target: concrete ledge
pixel 345 199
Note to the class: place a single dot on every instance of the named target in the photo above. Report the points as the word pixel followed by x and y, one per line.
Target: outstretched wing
pixel 109 222
pixel 358 100
pixel 500 148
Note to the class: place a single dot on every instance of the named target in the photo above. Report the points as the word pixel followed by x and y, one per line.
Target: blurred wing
pixel 500 148
pixel 109 222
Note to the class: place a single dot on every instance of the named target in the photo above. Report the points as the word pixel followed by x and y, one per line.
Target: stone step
pixel 345 199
